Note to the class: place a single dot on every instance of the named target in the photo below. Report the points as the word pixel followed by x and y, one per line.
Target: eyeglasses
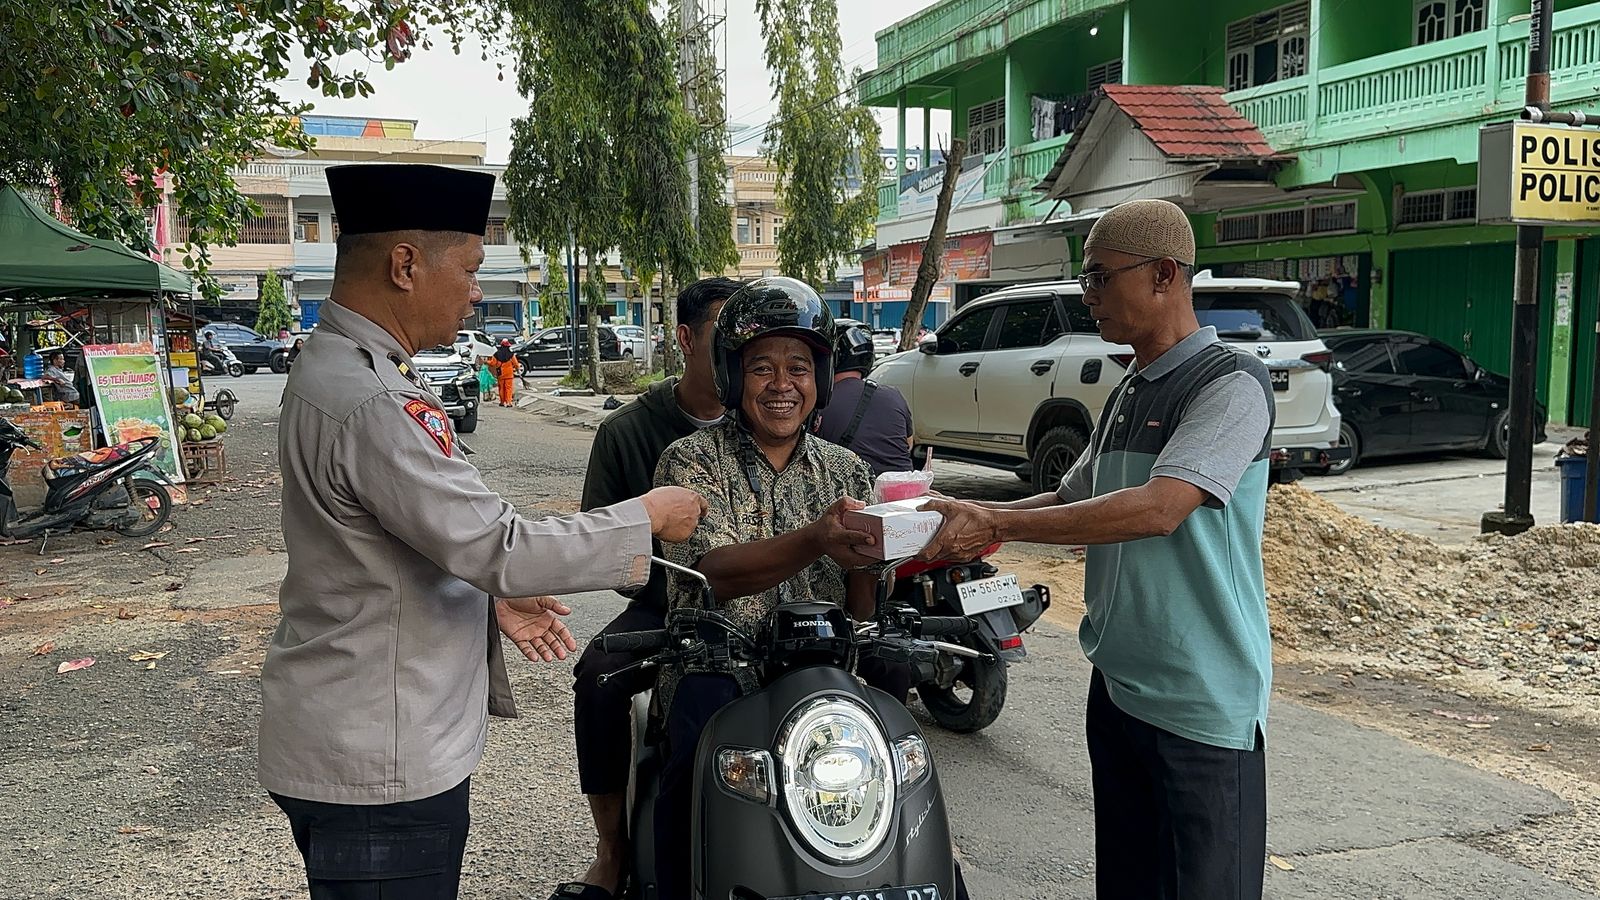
pixel 1099 278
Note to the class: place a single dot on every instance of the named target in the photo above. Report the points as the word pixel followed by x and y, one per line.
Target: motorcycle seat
pixel 78 463
pixel 917 567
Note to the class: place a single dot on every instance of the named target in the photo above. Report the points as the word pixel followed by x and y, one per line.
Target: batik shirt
pixel 718 463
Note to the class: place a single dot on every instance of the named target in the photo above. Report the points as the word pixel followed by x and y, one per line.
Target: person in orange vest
pixel 504 365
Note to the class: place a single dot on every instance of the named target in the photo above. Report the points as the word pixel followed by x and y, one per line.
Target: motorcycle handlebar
pixel 946 626
pixel 634 641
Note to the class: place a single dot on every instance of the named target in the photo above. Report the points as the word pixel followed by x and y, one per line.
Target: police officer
pixel 866 417
pixel 386 665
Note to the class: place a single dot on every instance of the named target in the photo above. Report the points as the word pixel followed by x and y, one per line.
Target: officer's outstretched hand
pixel 674 513
pixel 837 540
pixel 532 624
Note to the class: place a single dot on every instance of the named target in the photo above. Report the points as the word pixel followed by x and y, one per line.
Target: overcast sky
pixel 458 97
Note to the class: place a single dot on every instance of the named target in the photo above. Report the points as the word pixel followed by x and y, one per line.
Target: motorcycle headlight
pixel 838 778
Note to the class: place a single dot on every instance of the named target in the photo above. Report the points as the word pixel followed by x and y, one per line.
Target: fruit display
pixel 198 429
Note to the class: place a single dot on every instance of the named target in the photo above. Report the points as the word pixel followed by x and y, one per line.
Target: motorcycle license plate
pixel 986 594
pixel 921 892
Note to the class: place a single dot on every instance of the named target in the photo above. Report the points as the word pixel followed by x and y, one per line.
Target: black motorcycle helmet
pixel 853 352
pixel 770 307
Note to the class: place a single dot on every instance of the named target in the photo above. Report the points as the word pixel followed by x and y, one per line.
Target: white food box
pixel 901 528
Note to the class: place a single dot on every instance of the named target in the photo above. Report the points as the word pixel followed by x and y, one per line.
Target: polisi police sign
pixel 1531 174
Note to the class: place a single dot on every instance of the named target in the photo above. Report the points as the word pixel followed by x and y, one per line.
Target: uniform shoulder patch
pixel 434 423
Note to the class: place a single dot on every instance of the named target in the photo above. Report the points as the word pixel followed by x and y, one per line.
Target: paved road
pixel 166 755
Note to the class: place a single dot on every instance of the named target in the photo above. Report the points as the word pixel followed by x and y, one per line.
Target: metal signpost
pixel 1543 169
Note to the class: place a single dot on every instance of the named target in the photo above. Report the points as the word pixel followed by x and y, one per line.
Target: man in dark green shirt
pixel 623 460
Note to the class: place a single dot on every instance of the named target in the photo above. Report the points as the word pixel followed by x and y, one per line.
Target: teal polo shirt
pixel 1177 625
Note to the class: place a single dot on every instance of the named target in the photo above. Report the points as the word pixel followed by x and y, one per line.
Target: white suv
pixel 1017 379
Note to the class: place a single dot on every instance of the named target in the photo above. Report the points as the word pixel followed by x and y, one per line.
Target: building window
pixel 495 233
pixel 1269 46
pixel 1449 206
pixel 307 228
pixel 742 230
pixel 1109 72
pixel 777 229
pixel 333 226
pixel 986 127
pixel 271 227
pixel 1276 224
pixel 758 231
pixel 1438 20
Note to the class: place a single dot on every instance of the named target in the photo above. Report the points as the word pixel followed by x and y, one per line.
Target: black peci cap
pixel 369 199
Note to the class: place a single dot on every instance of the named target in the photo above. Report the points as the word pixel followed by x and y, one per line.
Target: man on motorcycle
pixel 622 464
pixel 774 529
pixel 211 352
pixel 870 419
pixel 1171 499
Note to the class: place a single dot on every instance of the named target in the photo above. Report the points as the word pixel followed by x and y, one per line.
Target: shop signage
pixel 1532 174
pixel 131 397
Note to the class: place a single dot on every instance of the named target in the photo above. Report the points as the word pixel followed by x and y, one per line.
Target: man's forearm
pixel 1126 515
pixel 741 570
pixel 1037 501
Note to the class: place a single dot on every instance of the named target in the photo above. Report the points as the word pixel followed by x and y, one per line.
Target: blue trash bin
pixel 1573 471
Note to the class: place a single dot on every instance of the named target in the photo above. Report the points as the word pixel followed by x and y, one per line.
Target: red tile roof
pixel 1190 121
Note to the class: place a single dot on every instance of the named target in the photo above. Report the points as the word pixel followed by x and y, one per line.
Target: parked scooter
pixel 810 785
pixel 965 692
pixel 115 487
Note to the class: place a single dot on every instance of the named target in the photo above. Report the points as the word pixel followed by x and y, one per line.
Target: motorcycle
pixel 825 786
pixel 114 487
pixel 230 363
pixel 964 693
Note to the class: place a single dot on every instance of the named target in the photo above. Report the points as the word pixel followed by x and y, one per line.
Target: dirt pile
pixel 1526 607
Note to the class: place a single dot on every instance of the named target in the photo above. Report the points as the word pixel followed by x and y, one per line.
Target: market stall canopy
pixel 40 256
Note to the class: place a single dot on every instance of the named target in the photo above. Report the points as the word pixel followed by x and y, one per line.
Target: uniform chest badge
pixel 433 422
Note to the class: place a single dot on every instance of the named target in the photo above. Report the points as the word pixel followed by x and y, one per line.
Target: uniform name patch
pixel 433 422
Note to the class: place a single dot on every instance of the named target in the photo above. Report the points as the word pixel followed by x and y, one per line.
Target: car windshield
pixel 1241 316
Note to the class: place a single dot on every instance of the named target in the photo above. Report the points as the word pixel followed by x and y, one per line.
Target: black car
pixel 254 350
pixel 549 349
pixel 1400 392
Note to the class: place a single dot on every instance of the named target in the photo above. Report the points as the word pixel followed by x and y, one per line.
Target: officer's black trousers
pixel 395 851
pixel 1174 819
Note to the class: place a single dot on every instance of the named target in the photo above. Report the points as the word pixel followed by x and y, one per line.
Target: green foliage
pixel 821 140
pixel 273 315
pixel 100 97
pixel 598 161
pixel 553 298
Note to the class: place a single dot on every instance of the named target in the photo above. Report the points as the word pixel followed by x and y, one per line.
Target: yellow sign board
pixel 1532 174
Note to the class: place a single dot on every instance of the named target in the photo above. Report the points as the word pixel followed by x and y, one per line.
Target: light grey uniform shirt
pixel 386 665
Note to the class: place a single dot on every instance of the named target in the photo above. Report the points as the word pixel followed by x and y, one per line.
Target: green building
pixel 1332 142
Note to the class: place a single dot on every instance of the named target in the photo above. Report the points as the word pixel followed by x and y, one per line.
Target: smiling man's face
pixel 780 388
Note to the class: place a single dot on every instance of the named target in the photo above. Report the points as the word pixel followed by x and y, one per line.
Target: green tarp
pixel 40 256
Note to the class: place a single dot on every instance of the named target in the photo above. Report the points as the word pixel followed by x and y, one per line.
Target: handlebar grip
pixel 946 626
pixel 634 641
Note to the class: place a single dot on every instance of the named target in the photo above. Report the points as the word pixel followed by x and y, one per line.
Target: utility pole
pixel 1517 517
pixel 688 78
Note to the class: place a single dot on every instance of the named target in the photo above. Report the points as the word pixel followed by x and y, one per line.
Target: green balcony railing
pixel 1032 162
pixel 1275 108
pixel 889 200
pixel 1446 73
pixel 1474 76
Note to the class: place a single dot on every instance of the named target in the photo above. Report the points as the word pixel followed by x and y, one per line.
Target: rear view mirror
pixel 929 344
